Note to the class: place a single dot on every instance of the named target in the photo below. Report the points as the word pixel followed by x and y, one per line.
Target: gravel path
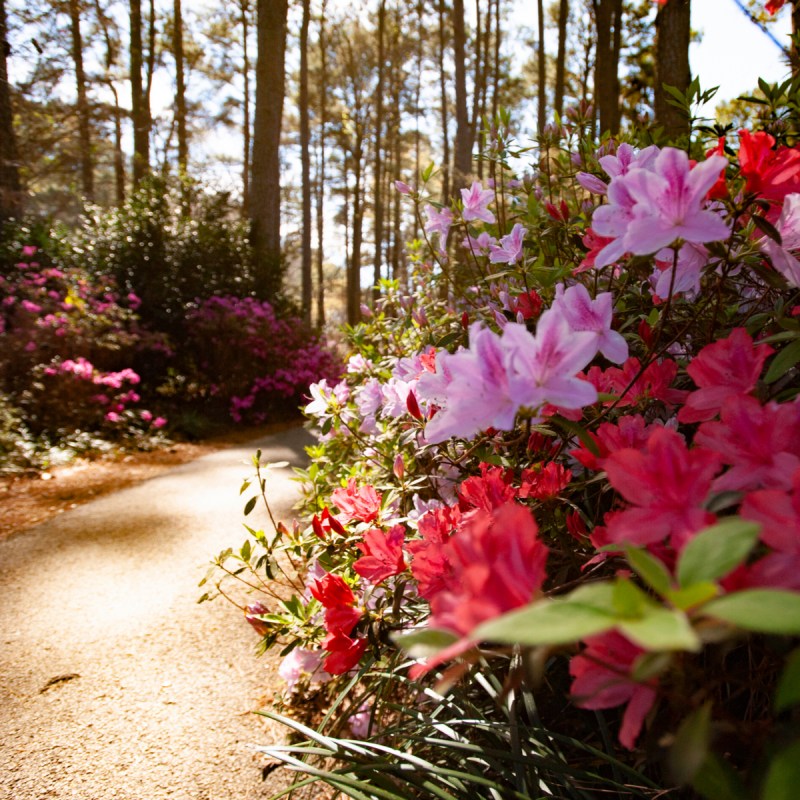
pixel 114 683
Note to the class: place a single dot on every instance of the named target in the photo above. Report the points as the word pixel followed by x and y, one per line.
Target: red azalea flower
pixel 529 304
pixel 331 590
pixel 498 564
pixel 594 243
pixel 723 369
pixel 719 190
pixel 760 443
pixel 325 523
pixel 773 6
pixel 491 489
pixel 430 565
pixel 770 173
pixel 666 485
pixel 383 554
pixel 601 679
pixel 630 431
pixel 545 483
pixel 359 503
pixel 345 653
pixel 653 384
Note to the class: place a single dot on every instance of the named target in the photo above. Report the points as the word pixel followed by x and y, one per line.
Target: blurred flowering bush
pixel 247 357
pixel 552 534
pixel 66 340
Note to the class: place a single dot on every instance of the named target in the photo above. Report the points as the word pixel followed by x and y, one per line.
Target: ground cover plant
pixel 551 529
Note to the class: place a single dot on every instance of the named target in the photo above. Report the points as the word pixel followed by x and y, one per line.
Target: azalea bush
pixel 66 344
pixel 551 532
pixel 240 353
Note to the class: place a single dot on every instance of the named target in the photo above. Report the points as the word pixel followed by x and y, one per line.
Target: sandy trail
pixel 114 683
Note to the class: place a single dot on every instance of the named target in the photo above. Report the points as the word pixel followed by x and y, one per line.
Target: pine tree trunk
pixel 794 56
pixel 541 119
pixel 673 32
pixel 462 156
pixel 321 177
pixel 378 190
pixel 140 116
pixel 265 194
pixel 180 105
pixel 607 14
pixel 443 106
pixel 561 58
pixel 10 187
pixel 246 122
pixel 84 130
pixel 305 169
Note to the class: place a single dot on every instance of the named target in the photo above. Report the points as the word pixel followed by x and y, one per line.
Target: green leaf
pixel 715 551
pixel 783 776
pixel 246 551
pixel 245 487
pixel 715 780
pixel 425 642
pixel 788 691
pixel 783 362
pixel 649 568
pixel 690 749
pixel 251 504
pixel 629 599
pixel 761 610
pixel 694 595
pixel 767 228
pixel 547 622
pixel 661 629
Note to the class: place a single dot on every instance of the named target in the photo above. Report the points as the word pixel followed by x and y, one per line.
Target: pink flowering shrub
pixel 574 480
pixel 247 357
pixel 67 343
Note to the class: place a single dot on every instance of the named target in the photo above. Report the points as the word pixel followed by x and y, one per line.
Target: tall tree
pixel 608 26
pixel 10 188
pixel 378 192
pixel 109 63
pixel 244 7
pixel 462 148
pixel 541 116
pixel 140 108
pixel 443 102
pixel 561 57
pixel 673 33
pixel 322 83
pixel 265 195
pixel 180 101
pixel 305 167
pixel 84 121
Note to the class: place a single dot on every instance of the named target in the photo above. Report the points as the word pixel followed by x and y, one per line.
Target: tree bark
pixel 305 169
pixel 673 32
pixel 443 106
pixel 541 118
pixel 265 195
pixel 561 58
pixel 140 113
pixel 180 105
pixel 608 24
pixel 246 122
pixel 10 187
pixel 321 177
pixel 462 155
pixel 378 190
pixel 84 122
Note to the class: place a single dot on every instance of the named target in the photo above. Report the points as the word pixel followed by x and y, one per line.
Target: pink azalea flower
pixel 692 258
pixel 584 314
pixel 472 386
pixel 543 369
pixel 723 369
pixel 784 255
pixel 480 245
pixel 357 503
pixel 439 221
pixel 602 679
pixel 627 158
pixel 159 422
pixel 509 251
pixel 476 199
pixel 669 203
pixel 300 663
pixel 611 221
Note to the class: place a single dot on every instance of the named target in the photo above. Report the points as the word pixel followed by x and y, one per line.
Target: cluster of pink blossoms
pixel 489 383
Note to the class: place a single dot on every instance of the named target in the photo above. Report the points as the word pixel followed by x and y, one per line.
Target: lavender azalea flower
pixel 784 256
pixel 509 251
pixel 476 199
